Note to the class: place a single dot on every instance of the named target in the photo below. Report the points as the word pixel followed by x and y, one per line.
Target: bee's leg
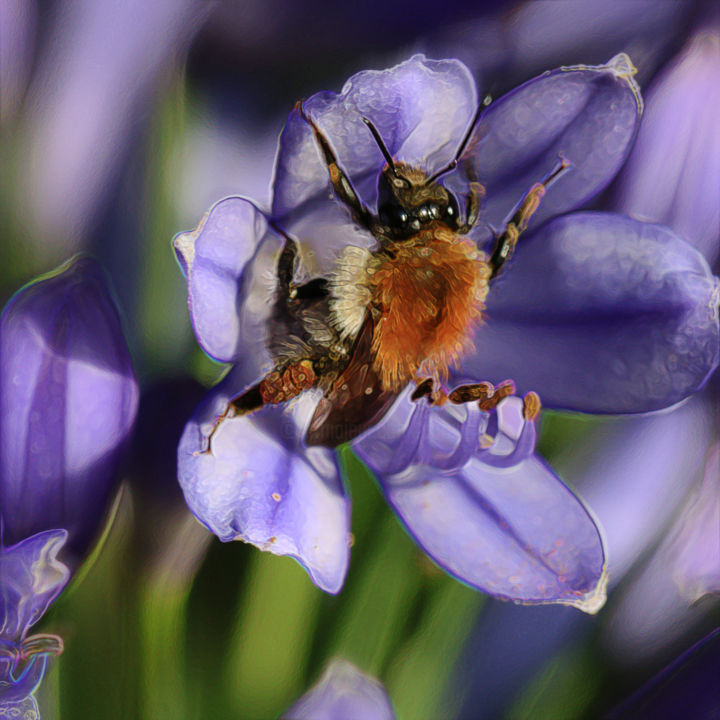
pixel 340 181
pixel 506 241
pixel 286 267
pixel 473 200
pixel 275 388
pixel 487 395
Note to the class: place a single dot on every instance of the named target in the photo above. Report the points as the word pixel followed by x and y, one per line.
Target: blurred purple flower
pixel 343 693
pixel 534 35
pixel 103 62
pixel 68 400
pixel 17 30
pixel 673 173
pixel 673 176
pixel 596 313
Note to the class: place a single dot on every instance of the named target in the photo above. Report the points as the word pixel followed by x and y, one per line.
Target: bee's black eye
pixel 393 216
pixel 452 215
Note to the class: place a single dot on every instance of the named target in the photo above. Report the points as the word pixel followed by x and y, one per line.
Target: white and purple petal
pixel 659 605
pixel 32 577
pixel 516 532
pixel 261 485
pixel 343 693
pixel 229 263
pixel 587 114
pixel 601 313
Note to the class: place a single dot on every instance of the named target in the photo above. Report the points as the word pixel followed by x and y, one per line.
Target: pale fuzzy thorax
pixel 351 290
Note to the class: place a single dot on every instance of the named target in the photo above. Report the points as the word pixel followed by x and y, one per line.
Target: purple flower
pixel 597 313
pixel 673 173
pixel 68 400
pixel 32 577
pixel 343 693
pixel 93 78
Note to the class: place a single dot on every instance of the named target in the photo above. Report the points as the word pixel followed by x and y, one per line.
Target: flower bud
pixel 68 400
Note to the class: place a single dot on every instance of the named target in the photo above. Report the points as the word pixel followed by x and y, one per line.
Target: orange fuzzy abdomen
pixel 430 296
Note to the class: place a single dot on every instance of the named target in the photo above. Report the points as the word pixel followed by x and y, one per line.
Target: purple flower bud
pixel 343 693
pixel 68 400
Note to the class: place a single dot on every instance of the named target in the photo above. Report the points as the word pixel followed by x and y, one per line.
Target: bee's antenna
pixel 461 148
pixel 381 145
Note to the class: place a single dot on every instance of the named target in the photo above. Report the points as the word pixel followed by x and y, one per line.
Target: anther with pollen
pixel 487 396
pixel 531 405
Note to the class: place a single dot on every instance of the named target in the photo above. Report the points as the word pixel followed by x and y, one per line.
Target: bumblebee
pixel 402 312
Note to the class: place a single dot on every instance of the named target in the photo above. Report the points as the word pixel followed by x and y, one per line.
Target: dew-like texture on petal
pixel 221 260
pixel 687 688
pixel 421 108
pixel 673 173
pixel 343 693
pixel 601 313
pixel 31 578
pixel 589 115
pixel 68 400
pixel 515 532
pixel 260 484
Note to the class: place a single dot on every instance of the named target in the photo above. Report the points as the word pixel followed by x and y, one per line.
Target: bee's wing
pixel 467 163
pixel 356 399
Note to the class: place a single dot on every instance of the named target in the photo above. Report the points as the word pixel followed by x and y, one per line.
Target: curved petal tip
pixel 621 66
pixel 591 602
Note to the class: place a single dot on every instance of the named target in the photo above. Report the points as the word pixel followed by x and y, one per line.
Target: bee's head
pixel 408 198
pixel 407 202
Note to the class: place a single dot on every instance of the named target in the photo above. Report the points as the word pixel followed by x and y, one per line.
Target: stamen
pixel 424 389
pixel 503 390
pixel 531 405
pixel 468 393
